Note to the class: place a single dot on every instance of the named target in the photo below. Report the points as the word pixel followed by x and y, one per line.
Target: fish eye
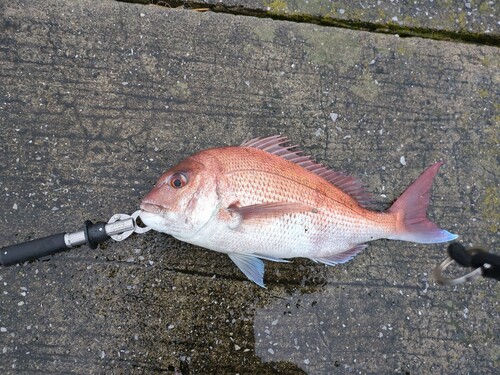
pixel 178 180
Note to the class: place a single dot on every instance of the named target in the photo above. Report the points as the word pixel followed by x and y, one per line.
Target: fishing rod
pixel 118 228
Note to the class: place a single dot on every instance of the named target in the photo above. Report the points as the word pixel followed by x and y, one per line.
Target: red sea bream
pixel 265 200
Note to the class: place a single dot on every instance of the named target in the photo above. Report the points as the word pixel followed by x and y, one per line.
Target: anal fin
pixel 340 258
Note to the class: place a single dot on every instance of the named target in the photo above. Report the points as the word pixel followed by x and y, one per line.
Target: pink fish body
pixel 264 200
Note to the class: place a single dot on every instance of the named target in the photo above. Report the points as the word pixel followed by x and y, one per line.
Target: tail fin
pixel 411 212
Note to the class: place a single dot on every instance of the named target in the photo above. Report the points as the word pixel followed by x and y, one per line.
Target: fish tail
pixel 410 210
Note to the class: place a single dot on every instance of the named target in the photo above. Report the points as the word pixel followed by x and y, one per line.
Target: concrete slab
pixel 467 20
pixel 98 98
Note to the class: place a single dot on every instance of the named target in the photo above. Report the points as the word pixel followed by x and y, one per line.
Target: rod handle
pixel 34 249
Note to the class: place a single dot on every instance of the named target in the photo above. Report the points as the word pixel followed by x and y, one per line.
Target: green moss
pixel 266 31
pixel 413 21
pixel 495 357
pixel 485 61
pixel 462 21
pixel 356 14
pixel 382 16
pixel 401 49
pixel 483 94
pixel 493 133
pixel 366 87
pixel 324 48
pixel 485 8
pixel 276 6
pixel 490 208
pixel 181 91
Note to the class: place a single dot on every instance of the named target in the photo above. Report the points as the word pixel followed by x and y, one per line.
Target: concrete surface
pixel 467 20
pixel 475 17
pixel 98 98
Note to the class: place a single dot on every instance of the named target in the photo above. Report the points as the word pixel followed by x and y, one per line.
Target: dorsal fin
pixel 277 145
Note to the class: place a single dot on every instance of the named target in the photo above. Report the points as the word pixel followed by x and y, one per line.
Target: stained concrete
pixel 467 20
pixel 468 17
pixel 98 98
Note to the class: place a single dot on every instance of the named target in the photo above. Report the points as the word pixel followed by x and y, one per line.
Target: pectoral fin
pixel 268 210
pixel 251 266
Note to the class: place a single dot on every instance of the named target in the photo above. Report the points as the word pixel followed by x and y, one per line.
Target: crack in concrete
pixel 381 28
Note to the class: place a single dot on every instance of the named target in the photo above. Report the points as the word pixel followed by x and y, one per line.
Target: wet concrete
pixel 98 98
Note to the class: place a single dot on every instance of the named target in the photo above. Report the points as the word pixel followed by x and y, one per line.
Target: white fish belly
pixel 289 236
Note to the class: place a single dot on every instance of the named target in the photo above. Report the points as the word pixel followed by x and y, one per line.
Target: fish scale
pixel 326 228
pixel 265 200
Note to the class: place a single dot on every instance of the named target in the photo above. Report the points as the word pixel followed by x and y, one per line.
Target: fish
pixel 266 200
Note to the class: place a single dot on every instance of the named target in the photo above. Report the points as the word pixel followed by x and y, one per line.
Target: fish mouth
pixel 152 208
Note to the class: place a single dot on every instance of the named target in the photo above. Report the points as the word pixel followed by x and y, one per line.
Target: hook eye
pixel 139 229
pixel 440 279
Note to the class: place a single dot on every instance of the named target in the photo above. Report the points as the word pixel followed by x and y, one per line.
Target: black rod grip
pixel 32 249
